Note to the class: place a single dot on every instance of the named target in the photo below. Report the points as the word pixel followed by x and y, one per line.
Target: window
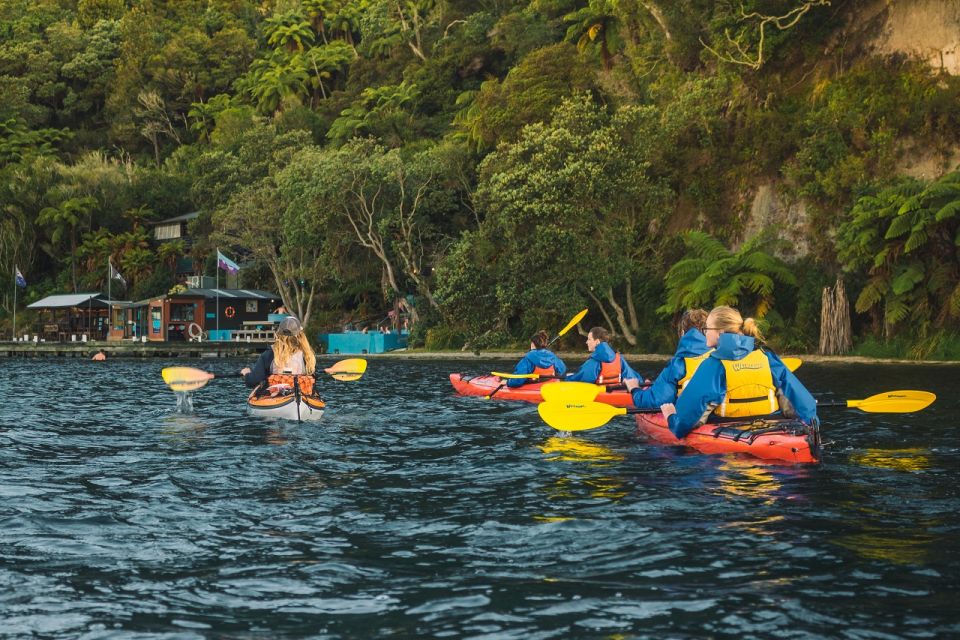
pixel 167 231
pixel 251 306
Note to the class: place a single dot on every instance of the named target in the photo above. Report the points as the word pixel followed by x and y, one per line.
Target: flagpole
pixel 15 287
pixel 218 293
pixel 109 296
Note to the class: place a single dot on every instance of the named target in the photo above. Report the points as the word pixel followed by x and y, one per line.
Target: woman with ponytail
pixel 739 380
pixel 539 360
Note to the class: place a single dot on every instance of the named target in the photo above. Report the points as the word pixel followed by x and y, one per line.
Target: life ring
pixel 194 333
pixel 229 312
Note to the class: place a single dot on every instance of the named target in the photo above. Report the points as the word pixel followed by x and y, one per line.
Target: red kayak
pixel 781 440
pixel 467 385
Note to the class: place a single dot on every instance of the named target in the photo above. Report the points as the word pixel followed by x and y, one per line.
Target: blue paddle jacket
pixel 589 371
pixel 260 370
pixel 542 358
pixel 664 388
pixel 707 388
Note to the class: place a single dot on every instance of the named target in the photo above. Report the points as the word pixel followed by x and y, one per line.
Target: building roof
pixel 65 301
pixel 244 294
pixel 182 218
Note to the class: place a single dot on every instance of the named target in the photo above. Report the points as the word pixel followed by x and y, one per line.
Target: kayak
pixel 467 385
pixel 780 440
pixel 286 407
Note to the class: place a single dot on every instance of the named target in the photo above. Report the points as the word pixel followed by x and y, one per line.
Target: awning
pixel 65 301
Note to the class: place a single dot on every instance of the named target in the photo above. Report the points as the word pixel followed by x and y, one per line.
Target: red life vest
pixel 550 372
pixel 611 372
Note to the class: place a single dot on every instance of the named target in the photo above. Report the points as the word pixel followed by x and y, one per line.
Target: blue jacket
pixel 543 358
pixel 260 370
pixel 589 371
pixel 709 385
pixel 664 388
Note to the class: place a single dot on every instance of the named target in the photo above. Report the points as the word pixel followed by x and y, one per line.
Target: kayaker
pixel 539 360
pixel 290 354
pixel 738 380
pixel 691 351
pixel 604 366
pixel 99 356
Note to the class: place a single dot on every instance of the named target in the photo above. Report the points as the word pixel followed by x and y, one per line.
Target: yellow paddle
pixel 575 414
pixel 190 379
pixel 570 325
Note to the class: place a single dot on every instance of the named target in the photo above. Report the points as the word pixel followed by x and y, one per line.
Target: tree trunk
pixel 835 333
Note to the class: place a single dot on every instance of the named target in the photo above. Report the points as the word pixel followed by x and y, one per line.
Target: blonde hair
pixel 729 320
pixel 285 346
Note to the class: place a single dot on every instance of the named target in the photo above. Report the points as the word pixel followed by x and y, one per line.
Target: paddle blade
pixel 792 363
pixel 577 416
pixel 185 378
pixel 570 325
pixel 576 392
pixel 894 402
pixel 347 370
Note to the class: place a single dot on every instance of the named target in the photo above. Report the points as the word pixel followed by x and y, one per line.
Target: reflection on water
pixel 899 545
pixel 570 449
pixel 747 478
pixel 910 459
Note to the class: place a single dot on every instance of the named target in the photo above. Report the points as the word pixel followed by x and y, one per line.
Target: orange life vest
pixel 550 371
pixel 305 382
pixel 611 372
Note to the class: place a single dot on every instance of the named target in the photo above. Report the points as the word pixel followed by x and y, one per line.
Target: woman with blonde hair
pixel 691 350
pixel 290 355
pixel 738 380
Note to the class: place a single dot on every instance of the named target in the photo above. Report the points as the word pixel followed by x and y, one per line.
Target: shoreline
pixel 236 350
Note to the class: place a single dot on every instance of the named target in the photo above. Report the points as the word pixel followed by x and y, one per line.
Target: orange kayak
pixel 467 385
pixel 780 440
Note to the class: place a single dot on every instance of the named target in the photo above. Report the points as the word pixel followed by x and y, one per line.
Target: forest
pixel 491 166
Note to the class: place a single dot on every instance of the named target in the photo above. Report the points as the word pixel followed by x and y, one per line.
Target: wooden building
pixel 69 317
pixel 211 314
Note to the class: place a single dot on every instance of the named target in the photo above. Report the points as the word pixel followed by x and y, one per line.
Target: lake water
pixel 412 512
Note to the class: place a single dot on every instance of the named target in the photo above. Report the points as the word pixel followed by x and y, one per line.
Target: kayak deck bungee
pixel 286 406
pixel 467 385
pixel 770 439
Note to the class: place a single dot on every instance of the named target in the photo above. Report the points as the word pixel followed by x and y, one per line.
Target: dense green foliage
pixel 491 167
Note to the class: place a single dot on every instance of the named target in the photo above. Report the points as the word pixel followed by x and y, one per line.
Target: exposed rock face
pixel 789 220
pixel 925 29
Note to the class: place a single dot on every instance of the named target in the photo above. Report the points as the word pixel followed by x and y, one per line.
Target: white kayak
pixel 286 407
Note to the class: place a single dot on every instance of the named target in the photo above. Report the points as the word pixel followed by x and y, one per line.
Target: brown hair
pixel 692 319
pixel 729 320
pixel 540 339
pixel 599 333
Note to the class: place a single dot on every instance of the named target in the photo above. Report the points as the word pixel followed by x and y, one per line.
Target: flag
pixel 21 281
pixel 116 274
pixel 226 263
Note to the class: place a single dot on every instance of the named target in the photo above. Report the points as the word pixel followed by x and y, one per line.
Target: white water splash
pixel 184 402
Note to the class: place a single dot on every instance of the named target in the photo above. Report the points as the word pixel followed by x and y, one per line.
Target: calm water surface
pixel 413 512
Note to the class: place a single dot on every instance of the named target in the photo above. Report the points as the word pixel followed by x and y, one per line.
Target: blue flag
pixel 226 263
pixel 21 281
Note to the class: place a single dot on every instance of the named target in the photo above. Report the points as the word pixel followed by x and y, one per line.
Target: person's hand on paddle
pixel 668 410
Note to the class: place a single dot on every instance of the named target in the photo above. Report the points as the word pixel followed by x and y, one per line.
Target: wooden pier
pixel 118 349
